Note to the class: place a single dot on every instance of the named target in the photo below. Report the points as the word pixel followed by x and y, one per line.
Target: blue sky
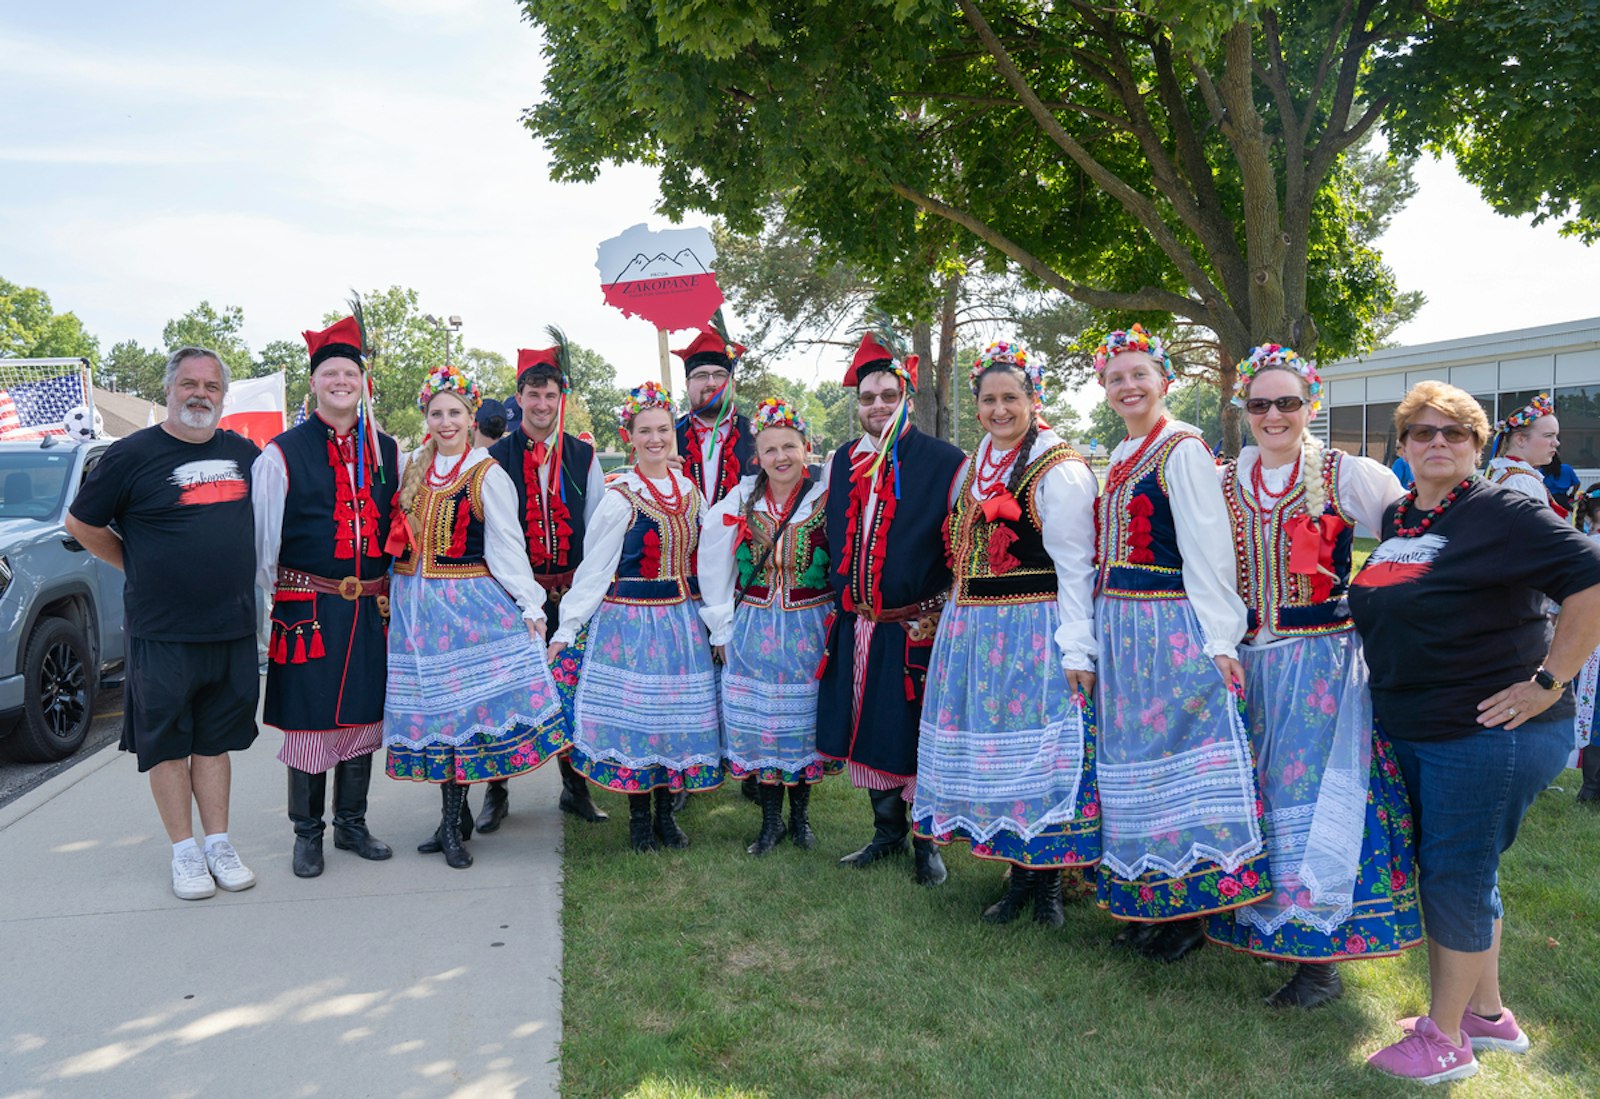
pixel 271 156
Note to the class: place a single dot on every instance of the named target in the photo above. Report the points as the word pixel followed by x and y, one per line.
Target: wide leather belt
pixel 924 616
pixel 350 587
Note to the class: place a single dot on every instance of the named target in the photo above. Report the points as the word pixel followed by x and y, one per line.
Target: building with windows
pixel 1503 370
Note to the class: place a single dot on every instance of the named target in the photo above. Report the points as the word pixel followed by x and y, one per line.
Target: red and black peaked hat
pixel 340 340
pixel 557 359
pixel 710 347
pixel 872 355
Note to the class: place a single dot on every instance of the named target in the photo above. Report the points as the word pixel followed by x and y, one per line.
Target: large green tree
pixel 215 329
pixel 30 328
pixel 1167 159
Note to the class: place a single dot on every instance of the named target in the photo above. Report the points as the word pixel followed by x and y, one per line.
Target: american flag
pixel 29 410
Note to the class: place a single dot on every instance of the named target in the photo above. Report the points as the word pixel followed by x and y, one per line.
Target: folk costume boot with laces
pixel 430 846
pixel 455 855
pixel 667 830
pixel 888 830
pixel 772 829
pixel 641 833
pixel 307 793
pixel 351 780
pixel 1048 907
pixel 1019 891
pixel 575 796
pixel 799 819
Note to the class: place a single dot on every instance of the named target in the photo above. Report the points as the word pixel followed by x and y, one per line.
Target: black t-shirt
pixel 188 534
pixel 1457 614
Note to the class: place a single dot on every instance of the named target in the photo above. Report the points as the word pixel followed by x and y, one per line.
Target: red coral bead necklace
pixel 1123 469
pixel 1409 501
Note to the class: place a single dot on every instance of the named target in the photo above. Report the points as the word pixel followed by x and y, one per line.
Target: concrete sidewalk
pixel 396 979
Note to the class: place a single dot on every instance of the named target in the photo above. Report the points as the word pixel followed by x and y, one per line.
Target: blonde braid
pixel 421 462
pixel 1311 454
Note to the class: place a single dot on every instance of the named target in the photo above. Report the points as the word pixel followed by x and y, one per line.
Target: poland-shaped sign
pixel 666 277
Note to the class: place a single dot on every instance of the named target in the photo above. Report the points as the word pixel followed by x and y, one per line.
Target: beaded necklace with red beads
pixel 672 504
pixel 991 473
pixel 1123 469
pixel 1263 493
pixel 1410 499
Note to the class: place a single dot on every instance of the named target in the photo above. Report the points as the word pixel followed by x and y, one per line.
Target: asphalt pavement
pixel 105 728
pixel 398 979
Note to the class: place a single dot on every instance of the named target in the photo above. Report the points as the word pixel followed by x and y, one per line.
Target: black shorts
pixel 189 698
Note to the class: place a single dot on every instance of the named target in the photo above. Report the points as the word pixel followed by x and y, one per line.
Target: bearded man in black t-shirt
pixel 179 496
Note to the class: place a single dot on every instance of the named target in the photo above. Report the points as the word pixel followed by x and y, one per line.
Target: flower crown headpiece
pixel 1273 355
pixel 1004 353
pixel 1134 339
pixel 641 399
pixel 1539 407
pixel 777 412
pixel 449 378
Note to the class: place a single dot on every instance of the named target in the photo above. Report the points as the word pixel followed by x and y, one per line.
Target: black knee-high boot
pixel 1047 903
pixel 496 804
pixel 772 830
pixel 575 797
pixel 1589 793
pixel 1019 891
pixel 888 830
pixel 799 817
pixel 1311 986
pixel 641 834
pixel 351 780
pixel 454 798
pixel 667 830
pixel 307 793
pixel 430 846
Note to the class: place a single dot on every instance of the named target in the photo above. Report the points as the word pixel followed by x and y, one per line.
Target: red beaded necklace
pixel 1258 483
pixel 991 472
pixel 434 481
pixel 1410 499
pixel 782 517
pixel 671 504
pixel 1123 469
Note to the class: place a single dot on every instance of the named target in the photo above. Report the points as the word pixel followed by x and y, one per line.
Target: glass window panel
pixel 1380 432
pixel 1578 409
pixel 1345 428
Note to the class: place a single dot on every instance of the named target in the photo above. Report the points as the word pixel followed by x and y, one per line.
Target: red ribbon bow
pixel 1311 550
pixel 1000 504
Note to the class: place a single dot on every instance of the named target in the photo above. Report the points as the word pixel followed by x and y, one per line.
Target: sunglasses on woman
pixel 1424 433
pixel 1257 406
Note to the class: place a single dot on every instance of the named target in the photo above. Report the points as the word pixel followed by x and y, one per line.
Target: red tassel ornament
pixel 317 651
pixel 299 647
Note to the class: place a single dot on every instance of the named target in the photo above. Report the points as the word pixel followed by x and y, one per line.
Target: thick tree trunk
pixel 1232 429
pixel 947 368
pixel 927 407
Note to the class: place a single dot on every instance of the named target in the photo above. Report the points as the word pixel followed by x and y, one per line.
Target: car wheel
pixel 58 698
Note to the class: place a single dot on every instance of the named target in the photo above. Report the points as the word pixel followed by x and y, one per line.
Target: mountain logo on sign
pixel 661 265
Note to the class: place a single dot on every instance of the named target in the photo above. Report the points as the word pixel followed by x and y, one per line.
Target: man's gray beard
pixel 199 418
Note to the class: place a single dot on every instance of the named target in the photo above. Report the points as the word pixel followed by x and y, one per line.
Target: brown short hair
pixel 1443 397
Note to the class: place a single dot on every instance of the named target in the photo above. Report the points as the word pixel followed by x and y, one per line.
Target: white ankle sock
pixel 184 845
pixel 215 838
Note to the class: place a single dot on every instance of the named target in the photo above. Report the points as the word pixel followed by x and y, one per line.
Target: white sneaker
pixel 191 881
pixel 231 874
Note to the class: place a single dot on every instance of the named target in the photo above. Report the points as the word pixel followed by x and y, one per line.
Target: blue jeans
pixel 1468 797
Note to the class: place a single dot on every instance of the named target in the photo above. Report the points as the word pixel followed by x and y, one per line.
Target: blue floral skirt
pixel 645 715
pixel 1005 749
pixel 1179 810
pixel 469 697
pixel 769 695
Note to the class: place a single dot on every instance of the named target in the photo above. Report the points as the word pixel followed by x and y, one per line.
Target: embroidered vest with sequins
pixel 1136 539
pixel 658 551
pixel 1274 596
pixel 1004 561
pixel 448 524
pixel 799 564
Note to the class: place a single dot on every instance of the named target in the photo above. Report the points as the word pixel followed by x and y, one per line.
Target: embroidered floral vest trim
pixel 1004 561
pixel 448 523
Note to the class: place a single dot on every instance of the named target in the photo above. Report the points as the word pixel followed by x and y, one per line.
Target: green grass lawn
pixel 709 973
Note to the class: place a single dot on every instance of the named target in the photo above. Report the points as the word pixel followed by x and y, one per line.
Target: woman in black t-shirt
pixel 1471 688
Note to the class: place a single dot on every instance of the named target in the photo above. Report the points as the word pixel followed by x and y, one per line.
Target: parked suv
pixel 60 606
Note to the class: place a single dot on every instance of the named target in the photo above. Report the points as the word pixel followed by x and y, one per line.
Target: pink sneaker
pixel 1501 1034
pixel 1426 1056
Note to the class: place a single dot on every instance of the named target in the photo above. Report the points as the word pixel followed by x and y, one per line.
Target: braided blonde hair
pixel 421 462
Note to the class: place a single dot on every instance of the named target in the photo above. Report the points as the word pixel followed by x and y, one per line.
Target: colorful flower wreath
pixel 640 399
pixel 1523 417
pixel 1004 353
pixel 1276 355
pixel 777 412
pixel 1134 339
pixel 449 378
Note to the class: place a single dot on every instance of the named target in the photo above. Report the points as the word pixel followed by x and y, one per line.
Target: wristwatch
pixel 1548 681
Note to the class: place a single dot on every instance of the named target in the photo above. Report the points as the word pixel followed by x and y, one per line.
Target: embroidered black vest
pixel 1136 539
pixel 576 458
pixel 1004 561
pixel 310 526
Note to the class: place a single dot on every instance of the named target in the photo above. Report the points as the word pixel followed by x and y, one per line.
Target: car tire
pixel 58 694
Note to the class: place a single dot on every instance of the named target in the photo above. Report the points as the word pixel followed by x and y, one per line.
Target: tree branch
pixel 1142 209
pixel 1149 299
pixel 1001 101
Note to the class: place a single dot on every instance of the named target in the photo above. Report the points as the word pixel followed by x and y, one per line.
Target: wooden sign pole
pixel 666 361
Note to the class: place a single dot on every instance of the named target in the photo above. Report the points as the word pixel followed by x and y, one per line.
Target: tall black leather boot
pixel 799 818
pixel 1176 940
pixel 772 829
pixel 496 803
pixel 430 846
pixel 1047 903
pixel 888 830
pixel 575 797
pixel 454 798
pixel 307 793
pixel 641 833
pixel 667 830
pixel 351 780
pixel 751 789
pixel 1311 986
pixel 1589 793
pixel 930 864
pixel 1019 891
